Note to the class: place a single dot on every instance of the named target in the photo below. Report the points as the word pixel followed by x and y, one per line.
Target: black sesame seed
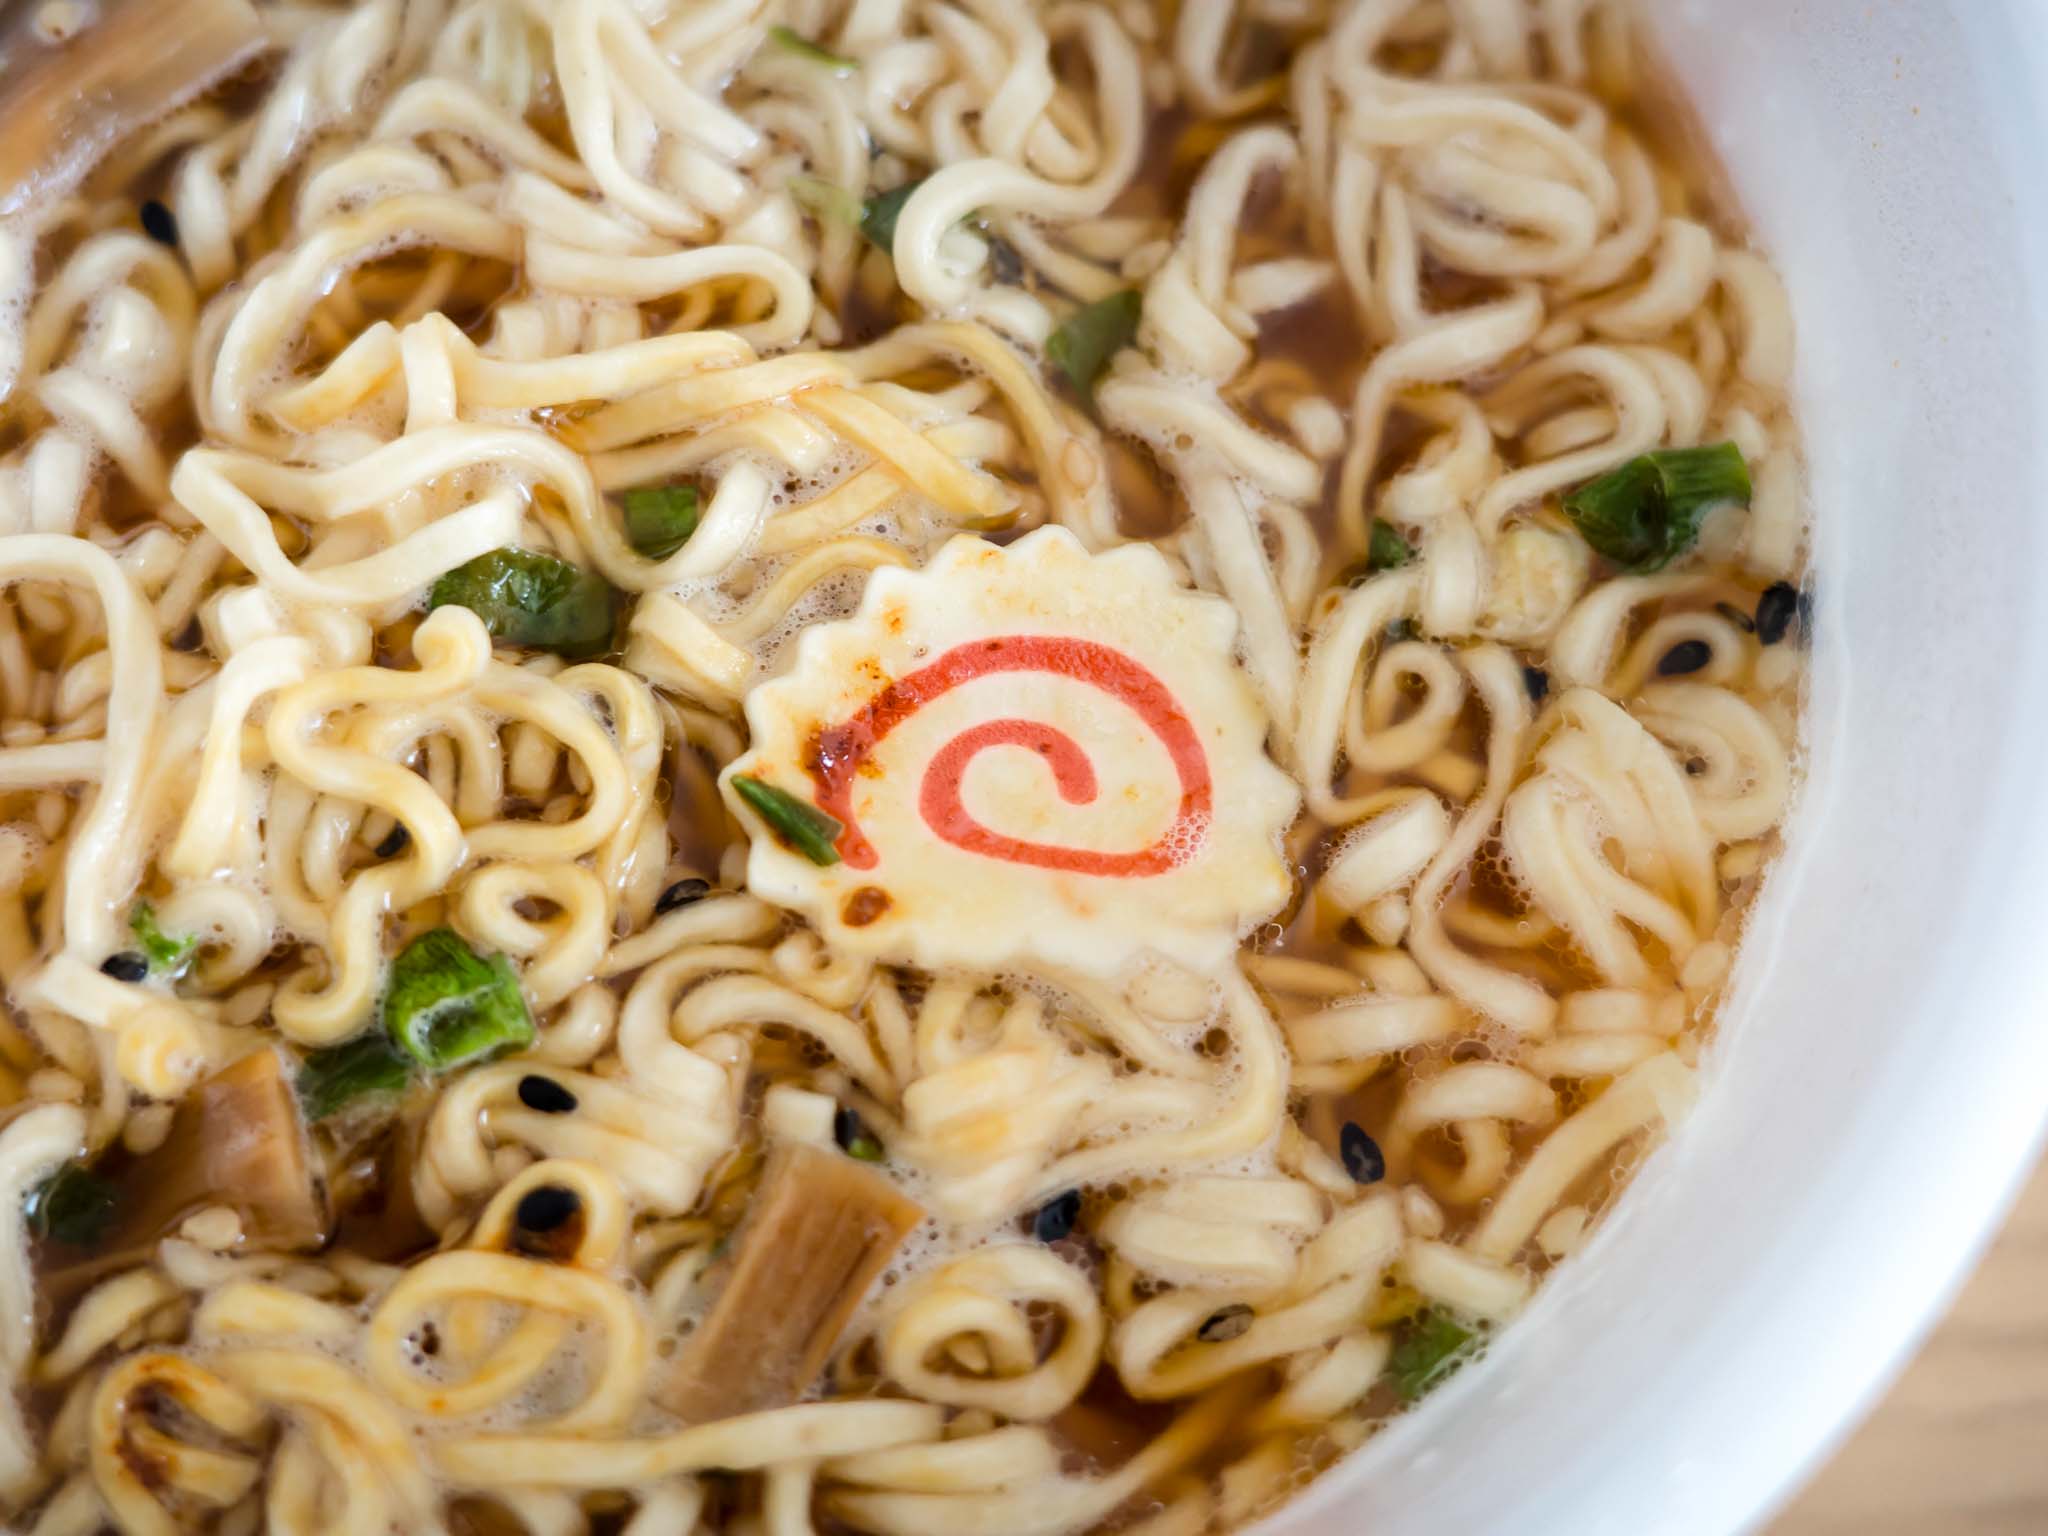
pixel 1056 1218
pixel 1686 656
pixel 394 842
pixel 681 894
pixel 1537 681
pixel 125 966
pixel 159 223
pixel 546 1095
pixel 1232 1322
pixel 1736 616
pixel 429 1340
pixel 546 1207
pixel 1363 1159
pixel 1775 610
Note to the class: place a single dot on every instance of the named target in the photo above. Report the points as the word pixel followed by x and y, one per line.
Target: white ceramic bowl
pixel 1881 1076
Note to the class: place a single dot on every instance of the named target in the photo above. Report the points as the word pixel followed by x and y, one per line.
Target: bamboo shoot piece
pixel 821 1228
pixel 68 97
pixel 236 1140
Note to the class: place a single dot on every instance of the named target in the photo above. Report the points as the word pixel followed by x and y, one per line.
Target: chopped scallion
pixel 528 598
pixel 168 956
pixel 1386 549
pixel 447 1006
pixel 1647 512
pixel 854 1137
pixel 1082 347
pixel 72 1206
pixel 793 42
pixel 367 1067
pixel 1431 1346
pixel 796 822
pixel 660 518
pixel 879 214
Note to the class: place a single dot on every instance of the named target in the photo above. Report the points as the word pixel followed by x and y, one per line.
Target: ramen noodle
pixel 777 765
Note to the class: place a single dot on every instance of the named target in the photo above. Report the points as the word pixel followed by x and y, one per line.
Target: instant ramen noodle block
pixel 1035 756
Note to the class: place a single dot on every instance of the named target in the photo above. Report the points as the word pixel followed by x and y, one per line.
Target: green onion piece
pixel 367 1067
pixel 797 822
pixel 1431 1346
pixel 1647 512
pixel 804 48
pixel 854 1137
pixel 1083 346
pixel 1386 549
pixel 527 598
pixel 447 1006
pixel 879 214
pixel 167 956
pixel 660 518
pixel 826 199
pixel 73 1206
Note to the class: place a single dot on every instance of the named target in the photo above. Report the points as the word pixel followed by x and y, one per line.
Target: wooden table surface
pixel 1960 1447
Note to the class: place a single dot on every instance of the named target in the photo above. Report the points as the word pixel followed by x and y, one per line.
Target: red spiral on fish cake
pixel 837 754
